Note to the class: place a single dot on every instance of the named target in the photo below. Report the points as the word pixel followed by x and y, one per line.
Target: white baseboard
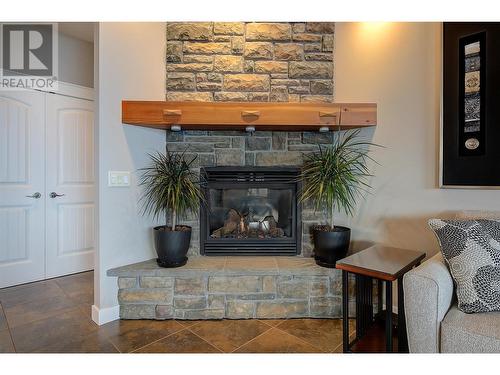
pixel 106 315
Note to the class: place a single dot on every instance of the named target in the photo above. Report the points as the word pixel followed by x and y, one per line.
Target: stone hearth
pixel 230 288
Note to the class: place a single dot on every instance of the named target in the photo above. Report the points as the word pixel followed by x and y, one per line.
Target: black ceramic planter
pixel 330 246
pixel 172 246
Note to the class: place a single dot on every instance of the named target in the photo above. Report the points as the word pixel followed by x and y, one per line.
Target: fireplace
pixel 250 211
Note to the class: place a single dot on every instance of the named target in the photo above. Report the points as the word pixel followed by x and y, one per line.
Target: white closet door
pixel 22 170
pixel 70 175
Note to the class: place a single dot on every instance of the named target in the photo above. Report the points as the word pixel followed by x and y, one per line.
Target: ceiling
pixel 79 30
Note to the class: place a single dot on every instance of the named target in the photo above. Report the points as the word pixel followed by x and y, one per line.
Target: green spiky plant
pixel 170 186
pixel 335 176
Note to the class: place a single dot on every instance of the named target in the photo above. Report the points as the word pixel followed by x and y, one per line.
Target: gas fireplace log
pixel 236 225
pixel 233 221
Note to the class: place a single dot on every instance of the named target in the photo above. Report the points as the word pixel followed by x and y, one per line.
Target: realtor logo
pixel 28 56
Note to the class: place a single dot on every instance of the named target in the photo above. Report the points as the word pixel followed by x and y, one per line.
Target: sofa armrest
pixel 428 294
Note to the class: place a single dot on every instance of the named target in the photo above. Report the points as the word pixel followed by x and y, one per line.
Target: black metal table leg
pixel 388 319
pixel 369 300
pixel 364 304
pixel 359 306
pixel 345 311
pixel 402 336
pixel 380 297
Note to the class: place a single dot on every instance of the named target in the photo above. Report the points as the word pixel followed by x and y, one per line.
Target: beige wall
pixel 131 65
pixel 397 65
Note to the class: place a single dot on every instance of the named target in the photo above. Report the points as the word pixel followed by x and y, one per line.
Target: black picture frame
pixel 462 166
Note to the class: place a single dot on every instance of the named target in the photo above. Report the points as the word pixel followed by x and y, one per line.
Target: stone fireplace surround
pixel 242 61
pixel 250 62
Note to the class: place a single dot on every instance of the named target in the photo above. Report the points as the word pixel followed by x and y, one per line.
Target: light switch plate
pixel 118 178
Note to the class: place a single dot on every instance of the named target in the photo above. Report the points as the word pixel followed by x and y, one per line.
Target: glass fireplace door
pixel 250 211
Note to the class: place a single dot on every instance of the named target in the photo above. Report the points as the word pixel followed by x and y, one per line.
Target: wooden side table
pixel 386 264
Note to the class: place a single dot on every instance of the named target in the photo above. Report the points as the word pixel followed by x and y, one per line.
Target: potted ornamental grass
pixel 171 189
pixel 333 178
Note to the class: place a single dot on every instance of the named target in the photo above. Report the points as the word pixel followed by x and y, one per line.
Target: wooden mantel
pixel 237 116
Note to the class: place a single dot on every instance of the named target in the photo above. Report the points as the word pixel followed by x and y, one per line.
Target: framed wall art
pixel 470 136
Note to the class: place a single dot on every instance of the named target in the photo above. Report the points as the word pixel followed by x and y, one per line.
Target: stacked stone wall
pixel 231 296
pixel 250 62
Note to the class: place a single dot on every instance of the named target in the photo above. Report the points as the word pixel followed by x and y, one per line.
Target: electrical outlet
pixel 118 178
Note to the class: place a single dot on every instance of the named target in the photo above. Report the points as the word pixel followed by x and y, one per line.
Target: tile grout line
pixel 187 326
pixel 8 328
pixel 269 324
pixel 161 338
pixel 75 309
pixel 267 330
pixel 335 350
pixel 269 327
pixel 81 338
pixel 64 292
pixel 341 344
pixel 309 342
pixel 74 300
pixel 34 284
pixel 212 345
pixel 78 307
pixel 55 313
pixel 300 339
pixel 113 345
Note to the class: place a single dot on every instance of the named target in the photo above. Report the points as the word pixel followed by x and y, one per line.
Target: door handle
pixel 55 195
pixel 36 195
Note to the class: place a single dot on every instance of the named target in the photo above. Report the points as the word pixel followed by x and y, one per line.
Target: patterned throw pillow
pixel 472 250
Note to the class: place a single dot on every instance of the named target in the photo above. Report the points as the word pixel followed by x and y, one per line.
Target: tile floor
pixel 54 316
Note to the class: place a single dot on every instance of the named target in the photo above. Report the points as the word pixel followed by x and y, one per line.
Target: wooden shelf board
pixel 237 116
